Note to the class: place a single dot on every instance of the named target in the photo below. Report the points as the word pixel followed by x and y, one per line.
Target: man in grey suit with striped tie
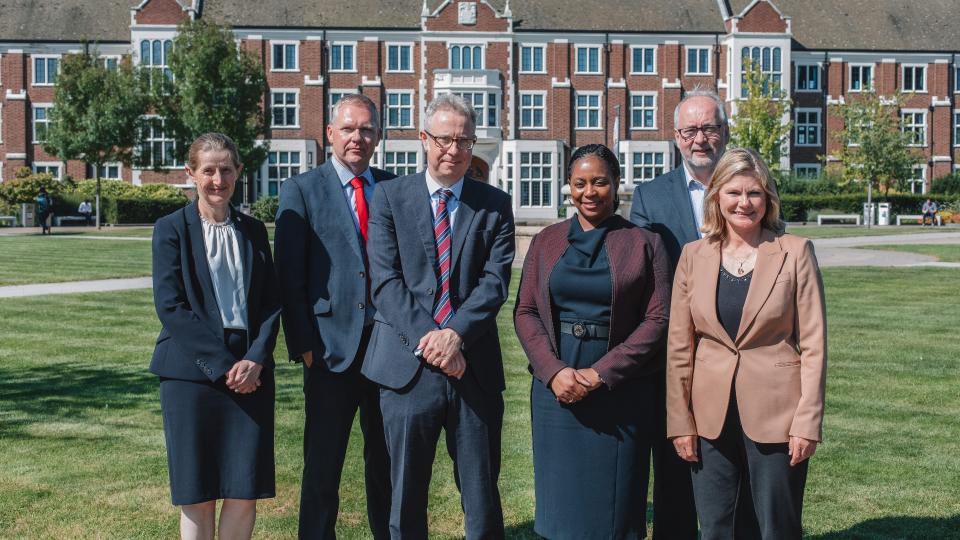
pixel 441 247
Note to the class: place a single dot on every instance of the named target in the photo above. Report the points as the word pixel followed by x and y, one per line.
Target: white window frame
pixel 576 60
pixel 33 120
pixel 399 107
pixel 353 58
pixel 923 80
pixel 400 48
pixel 104 57
pixel 483 111
pixel 634 166
pixel 296 107
pixel 58 164
pixel 922 179
pixel 686 59
pixel 543 57
pixel 633 51
pixel 806 166
pixel 301 167
pixel 46 70
pixel 956 79
pixel 533 108
pixel 117 164
pixel 540 180
pixel 755 54
pixel 633 108
pixel 454 44
pixel 797 125
pixel 330 103
pixel 599 107
pixel 873 74
pixel 956 129
pixel 405 168
pixel 296 55
pixel 796 77
pixel 176 163
pixel 912 126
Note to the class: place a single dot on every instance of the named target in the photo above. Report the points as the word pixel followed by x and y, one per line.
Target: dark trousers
pixel 472 419
pixel 674 511
pixel 737 477
pixel 332 400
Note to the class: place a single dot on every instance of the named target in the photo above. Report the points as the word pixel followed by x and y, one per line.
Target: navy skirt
pixel 219 443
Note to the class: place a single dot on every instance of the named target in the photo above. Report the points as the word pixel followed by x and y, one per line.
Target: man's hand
pixel 439 346
pixel 307 358
pixel 455 366
pixel 244 376
pixel 566 387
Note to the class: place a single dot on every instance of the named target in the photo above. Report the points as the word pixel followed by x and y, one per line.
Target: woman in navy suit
pixel 215 292
pixel 592 307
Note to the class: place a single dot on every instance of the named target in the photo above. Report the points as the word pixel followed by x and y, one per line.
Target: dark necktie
pixel 442 310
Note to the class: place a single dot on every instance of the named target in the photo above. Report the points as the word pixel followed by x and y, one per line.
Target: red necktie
pixel 361 201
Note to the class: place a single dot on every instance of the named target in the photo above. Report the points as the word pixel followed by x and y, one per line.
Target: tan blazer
pixel 778 360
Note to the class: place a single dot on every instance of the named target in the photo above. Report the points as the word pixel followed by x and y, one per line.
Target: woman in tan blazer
pixel 746 359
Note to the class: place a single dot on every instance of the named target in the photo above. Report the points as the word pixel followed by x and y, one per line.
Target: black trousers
pixel 413 417
pixel 746 489
pixel 674 511
pixel 332 401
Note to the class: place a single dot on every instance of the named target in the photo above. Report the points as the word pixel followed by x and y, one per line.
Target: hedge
pixel 119 210
pixel 265 208
pixel 799 207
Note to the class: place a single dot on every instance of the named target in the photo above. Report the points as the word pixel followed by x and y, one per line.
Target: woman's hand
pixel 244 376
pixel 566 387
pixel 589 378
pixel 800 449
pixel 686 446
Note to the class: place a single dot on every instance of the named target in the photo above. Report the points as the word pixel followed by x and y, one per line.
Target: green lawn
pixel 49 259
pixel 841 231
pixel 83 452
pixel 133 232
pixel 943 252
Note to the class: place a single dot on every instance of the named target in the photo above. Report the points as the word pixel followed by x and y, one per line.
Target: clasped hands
pixel 244 377
pixel 571 385
pixel 441 349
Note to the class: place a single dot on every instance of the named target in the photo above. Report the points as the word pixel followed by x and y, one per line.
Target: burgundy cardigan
pixel 639 309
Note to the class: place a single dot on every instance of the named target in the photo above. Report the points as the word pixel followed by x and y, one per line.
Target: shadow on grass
pixel 521 531
pixel 899 527
pixel 68 393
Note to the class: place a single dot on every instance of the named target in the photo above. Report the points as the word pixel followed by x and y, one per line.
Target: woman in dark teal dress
pixel 592 306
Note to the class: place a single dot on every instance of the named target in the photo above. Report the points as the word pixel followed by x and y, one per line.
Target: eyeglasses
pixel 709 131
pixel 444 142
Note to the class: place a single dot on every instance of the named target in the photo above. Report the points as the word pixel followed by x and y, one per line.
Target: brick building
pixel 545 76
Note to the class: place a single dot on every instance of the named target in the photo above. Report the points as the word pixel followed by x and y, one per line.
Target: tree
pixel 873 148
pixel 96 113
pixel 758 123
pixel 212 85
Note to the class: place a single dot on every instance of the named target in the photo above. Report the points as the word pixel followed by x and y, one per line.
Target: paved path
pixel 831 252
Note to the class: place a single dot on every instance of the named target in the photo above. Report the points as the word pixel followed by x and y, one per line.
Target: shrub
pixel 946 185
pixel 265 208
pixel 141 210
pixel 799 207
pixel 26 185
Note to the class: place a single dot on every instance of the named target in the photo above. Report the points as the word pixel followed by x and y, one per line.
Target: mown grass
pixel 943 252
pixel 840 231
pixel 51 259
pixel 81 434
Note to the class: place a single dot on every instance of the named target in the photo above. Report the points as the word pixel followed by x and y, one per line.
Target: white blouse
pixel 226 271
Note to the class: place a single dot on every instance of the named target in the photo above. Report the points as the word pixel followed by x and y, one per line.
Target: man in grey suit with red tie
pixel 321 251
pixel 441 248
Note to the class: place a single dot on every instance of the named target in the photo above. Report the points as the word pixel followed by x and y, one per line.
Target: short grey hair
pixel 699 91
pixel 357 99
pixel 449 103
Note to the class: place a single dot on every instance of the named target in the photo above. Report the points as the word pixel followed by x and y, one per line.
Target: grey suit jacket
pixel 403 265
pixel 663 206
pixel 323 281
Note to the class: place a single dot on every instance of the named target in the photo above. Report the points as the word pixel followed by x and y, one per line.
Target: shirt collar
pixel 346 175
pixel 433 186
pixel 692 182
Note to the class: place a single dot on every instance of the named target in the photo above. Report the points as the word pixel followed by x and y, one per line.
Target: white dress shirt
pixel 697 194
pixel 226 272
pixel 453 204
pixel 346 176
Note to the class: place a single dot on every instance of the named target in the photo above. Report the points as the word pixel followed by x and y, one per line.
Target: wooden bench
pixel 837 217
pixel 11 219
pixel 917 217
pixel 58 220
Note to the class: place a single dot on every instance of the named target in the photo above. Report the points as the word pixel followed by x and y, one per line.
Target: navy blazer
pixel 403 266
pixel 323 281
pixel 663 206
pixel 190 345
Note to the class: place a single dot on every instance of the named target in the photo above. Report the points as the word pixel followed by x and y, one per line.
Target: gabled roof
pixel 884 25
pixel 695 16
pixel 65 20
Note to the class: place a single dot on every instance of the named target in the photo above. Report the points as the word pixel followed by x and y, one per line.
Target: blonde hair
pixel 737 162
pixel 212 142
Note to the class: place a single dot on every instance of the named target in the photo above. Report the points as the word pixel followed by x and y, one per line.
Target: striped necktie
pixel 442 310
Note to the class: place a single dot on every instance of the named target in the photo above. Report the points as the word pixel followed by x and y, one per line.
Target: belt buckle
pixel 579 330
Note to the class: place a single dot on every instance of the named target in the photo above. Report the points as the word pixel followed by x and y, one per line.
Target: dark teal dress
pixel 590 458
